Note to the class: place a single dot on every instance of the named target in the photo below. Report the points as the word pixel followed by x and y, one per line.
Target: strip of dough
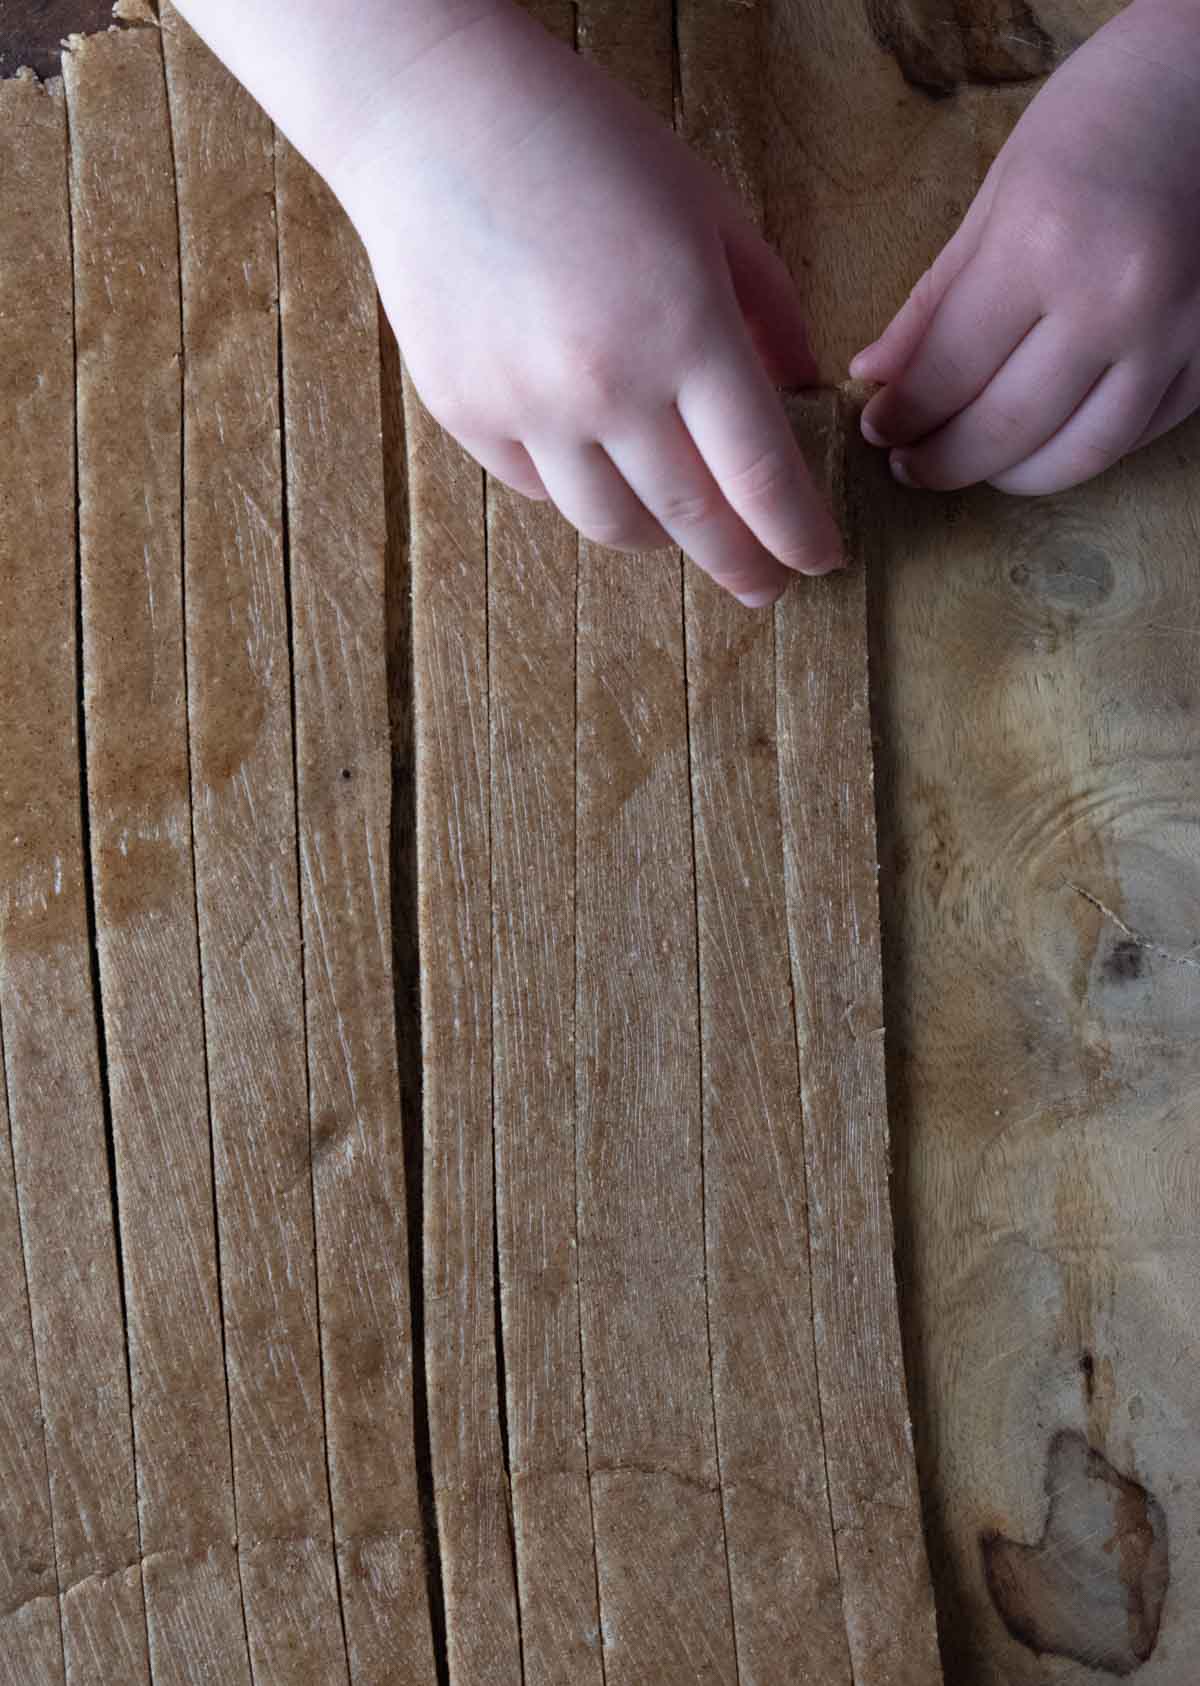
pixel 46 1002
pixel 243 795
pixel 129 393
pixel 337 540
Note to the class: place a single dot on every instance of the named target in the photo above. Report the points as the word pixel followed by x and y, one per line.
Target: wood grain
pixel 1038 851
pixel 243 796
pixel 55 1098
pixel 336 544
pixel 866 175
pixel 1039 804
pixel 128 375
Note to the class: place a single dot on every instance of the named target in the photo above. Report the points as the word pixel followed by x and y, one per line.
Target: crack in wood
pixel 1130 934
pixel 89 898
pixel 191 806
pixel 406 948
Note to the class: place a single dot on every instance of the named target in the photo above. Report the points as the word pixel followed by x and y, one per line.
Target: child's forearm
pixel 323 69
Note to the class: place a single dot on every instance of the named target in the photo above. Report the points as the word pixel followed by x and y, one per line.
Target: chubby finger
pixel 506 460
pixel 1024 404
pixel 738 426
pixel 885 358
pixel 1177 403
pixel 587 488
pixel 1102 429
pixel 667 473
pixel 767 298
pixel 983 316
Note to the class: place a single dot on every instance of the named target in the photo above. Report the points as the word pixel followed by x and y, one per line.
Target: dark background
pixel 31 30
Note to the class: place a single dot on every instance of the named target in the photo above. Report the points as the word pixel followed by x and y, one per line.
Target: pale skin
pixel 1059 329
pixel 584 305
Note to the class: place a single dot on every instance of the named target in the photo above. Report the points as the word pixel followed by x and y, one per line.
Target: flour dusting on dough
pixel 134 11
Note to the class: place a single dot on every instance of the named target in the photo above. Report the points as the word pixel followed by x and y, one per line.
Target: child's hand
pixel 585 308
pixel 1060 327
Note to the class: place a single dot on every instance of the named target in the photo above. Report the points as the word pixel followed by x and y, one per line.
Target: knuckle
pixel 944 369
pixel 772 473
pixel 741 579
pixel 1032 483
pixel 921 295
pixel 997 426
pixel 688 507
pixel 611 532
pixel 599 387
pixel 1142 280
pixel 1087 458
pixel 591 376
pixel 1049 234
pixel 1106 286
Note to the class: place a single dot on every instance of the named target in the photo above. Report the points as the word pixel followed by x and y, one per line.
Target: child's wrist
pixel 365 122
pixel 329 72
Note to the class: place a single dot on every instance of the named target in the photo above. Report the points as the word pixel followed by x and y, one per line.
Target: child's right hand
pixel 583 304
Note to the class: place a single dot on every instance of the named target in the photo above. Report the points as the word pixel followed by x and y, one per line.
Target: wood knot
pixel 1125 961
pixel 1092 1588
pixel 1070 578
pixel 939 49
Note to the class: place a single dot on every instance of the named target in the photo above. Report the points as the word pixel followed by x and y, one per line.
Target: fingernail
pixel 902 472
pixel 856 361
pixel 830 565
pixel 760 599
pixel 871 433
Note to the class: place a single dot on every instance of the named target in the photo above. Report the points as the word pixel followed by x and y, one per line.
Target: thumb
pixel 889 355
pixel 768 300
pixel 886 357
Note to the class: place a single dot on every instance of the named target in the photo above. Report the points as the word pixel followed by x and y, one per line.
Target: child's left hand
pixel 1060 327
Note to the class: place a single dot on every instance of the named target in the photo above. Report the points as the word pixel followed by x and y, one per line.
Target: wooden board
pixel 1041 827
pixel 1038 830
pixel 1040 813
